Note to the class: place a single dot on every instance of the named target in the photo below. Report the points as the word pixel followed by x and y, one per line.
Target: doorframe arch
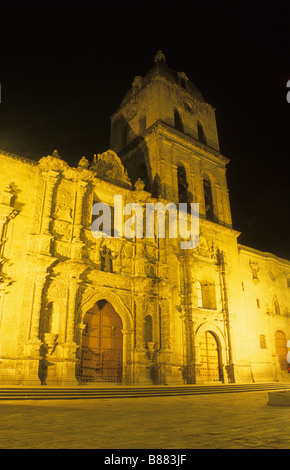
pixel 127 331
pixel 212 328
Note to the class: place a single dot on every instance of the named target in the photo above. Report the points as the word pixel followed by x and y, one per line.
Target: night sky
pixel 65 67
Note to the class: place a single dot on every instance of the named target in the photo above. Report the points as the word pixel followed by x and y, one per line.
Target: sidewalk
pixel 231 420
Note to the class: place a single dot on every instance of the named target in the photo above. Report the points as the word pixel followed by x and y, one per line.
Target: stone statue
pixel 106 259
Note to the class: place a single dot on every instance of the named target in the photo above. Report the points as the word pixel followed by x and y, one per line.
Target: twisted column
pixel 70 329
pixel 36 308
pixel 50 179
pixel 80 193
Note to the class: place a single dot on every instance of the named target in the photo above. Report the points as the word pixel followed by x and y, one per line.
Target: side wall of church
pixel 18 185
pixel 266 296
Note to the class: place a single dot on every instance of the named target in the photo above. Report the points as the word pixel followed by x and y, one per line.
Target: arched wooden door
pixel 281 349
pixel 102 345
pixel 209 358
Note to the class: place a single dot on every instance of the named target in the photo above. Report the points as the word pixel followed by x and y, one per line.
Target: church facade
pixel 77 308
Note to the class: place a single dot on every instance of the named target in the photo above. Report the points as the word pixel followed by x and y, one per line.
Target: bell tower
pixel 165 134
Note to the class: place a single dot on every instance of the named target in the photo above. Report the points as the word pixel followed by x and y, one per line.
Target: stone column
pixel 68 372
pixel 127 370
pixel 70 328
pixel 50 179
pixel 36 309
pixel 77 244
pixel 80 192
pixel 32 347
pixel 45 237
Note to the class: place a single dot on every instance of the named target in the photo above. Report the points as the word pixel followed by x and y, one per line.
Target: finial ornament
pixel 55 154
pixel 159 57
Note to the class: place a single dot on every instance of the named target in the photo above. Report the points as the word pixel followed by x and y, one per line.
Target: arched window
pixel 124 134
pixel 263 342
pixel 103 221
pixel 199 294
pixel 182 83
pixel 178 121
pixel 276 307
pixel 143 175
pixel 200 133
pixel 281 349
pixel 148 330
pixel 208 202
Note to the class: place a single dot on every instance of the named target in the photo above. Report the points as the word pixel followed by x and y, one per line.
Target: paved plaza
pixel 219 421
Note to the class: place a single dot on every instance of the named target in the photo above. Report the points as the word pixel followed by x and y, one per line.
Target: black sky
pixel 65 67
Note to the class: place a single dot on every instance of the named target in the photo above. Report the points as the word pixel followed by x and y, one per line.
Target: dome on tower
pixel 179 78
pixel 160 68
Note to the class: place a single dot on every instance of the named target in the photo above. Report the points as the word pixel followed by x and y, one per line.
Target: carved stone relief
pixel 109 166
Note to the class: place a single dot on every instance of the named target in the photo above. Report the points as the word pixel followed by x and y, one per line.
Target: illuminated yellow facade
pixel 77 309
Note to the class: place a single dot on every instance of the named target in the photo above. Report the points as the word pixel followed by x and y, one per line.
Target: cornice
pixel 176 137
pixel 17 157
pixel 267 256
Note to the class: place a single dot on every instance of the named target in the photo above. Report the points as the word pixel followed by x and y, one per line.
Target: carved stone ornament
pixel 159 57
pixel 52 162
pixel 138 82
pixel 108 166
pixel 189 106
pixel 131 111
pixel 205 248
pixel 83 163
pixel 273 274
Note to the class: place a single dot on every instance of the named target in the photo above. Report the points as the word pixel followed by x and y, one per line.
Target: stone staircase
pixel 119 391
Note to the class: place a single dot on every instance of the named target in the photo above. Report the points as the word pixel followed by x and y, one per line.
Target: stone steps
pixel 81 392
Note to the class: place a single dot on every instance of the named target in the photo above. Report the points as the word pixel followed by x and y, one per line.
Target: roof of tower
pixel 160 68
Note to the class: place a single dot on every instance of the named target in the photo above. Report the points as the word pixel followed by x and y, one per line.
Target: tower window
pixel 200 133
pixel 182 83
pixel 258 303
pixel 142 124
pixel 143 175
pixel 178 121
pixel 148 330
pixel 182 184
pixel 208 203
pixel 124 135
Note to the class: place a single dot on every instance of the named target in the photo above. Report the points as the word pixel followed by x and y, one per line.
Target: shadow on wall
pixel 133 151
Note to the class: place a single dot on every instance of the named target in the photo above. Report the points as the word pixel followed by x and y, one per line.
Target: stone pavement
pixel 224 421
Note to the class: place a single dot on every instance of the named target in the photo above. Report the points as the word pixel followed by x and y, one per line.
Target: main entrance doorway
pixel 102 344
pixel 209 358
